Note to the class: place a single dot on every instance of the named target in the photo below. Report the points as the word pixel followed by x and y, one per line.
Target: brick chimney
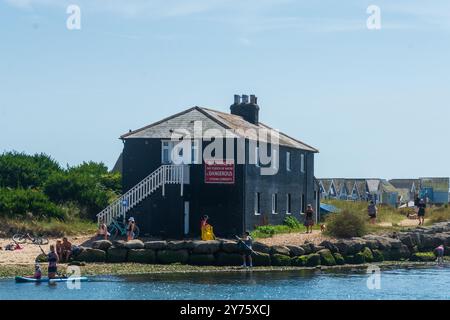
pixel 249 110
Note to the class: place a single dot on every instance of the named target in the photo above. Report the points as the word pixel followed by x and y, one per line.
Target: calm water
pixel 430 283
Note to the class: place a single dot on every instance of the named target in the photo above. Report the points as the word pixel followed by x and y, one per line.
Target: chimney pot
pixel 237 99
pixel 253 99
pixel 244 99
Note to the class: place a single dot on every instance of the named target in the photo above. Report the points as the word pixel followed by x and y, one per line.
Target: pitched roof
pixel 387 187
pixel 404 183
pixel 438 184
pixel 326 183
pixel 213 119
pixel 340 184
pixel 373 185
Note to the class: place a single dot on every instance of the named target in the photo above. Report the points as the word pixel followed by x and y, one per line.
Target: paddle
pixel 248 248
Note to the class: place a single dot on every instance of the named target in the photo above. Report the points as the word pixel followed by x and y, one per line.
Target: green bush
pixel 23 202
pixel 346 224
pixel 292 223
pixel 22 171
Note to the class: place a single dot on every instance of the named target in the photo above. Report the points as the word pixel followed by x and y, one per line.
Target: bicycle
pixel 26 238
pixel 119 228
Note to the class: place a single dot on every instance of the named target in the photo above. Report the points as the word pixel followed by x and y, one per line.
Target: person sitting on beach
pixel 66 249
pixel 372 211
pixel 130 229
pixel 37 271
pixel 440 253
pixel 53 260
pixel 102 232
pixel 246 243
pixel 207 232
pixel 59 248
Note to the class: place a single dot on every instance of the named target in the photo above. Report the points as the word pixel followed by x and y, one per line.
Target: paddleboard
pixel 42 280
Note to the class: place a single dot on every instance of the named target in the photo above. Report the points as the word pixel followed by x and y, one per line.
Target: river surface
pixel 405 284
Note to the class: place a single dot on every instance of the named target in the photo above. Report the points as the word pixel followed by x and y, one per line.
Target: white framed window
pixel 288 204
pixel 257 156
pixel 195 151
pixel 274 203
pixel 166 150
pixel 302 163
pixel 288 161
pixel 257 203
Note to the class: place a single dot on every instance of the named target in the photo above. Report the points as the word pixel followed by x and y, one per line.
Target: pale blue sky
pixel 376 103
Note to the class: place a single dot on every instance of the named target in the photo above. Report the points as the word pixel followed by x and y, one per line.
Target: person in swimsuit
pixel 309 219
pixel 130 229
pixel 440 254
pixel 66 251
pixel 37 271
pixel 53 259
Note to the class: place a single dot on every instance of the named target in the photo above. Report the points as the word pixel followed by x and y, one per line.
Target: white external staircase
pixel 165 174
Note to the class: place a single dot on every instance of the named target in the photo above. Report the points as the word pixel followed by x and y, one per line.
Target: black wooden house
pixel 168 200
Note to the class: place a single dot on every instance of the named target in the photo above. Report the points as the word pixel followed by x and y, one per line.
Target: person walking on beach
pixel 372 211
pixel 309 218
pixel 246 243
pixel 130 229
pixel 421 212
pixel 440 254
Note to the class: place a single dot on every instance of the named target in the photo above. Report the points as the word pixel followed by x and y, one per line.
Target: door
pixel 186 218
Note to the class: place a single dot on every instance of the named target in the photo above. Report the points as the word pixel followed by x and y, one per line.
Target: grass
pixel 291 225
pixel 47 227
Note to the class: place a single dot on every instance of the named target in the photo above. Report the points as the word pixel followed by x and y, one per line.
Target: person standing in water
pixel 53 259
pixel 246 243
pixel 440 254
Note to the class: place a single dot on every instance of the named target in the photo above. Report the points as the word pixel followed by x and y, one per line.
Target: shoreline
pixel 130 269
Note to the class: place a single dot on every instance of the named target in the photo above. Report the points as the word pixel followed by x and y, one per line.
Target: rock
pixel 230 247
pixel 307 247
pixel 228 259
pixel 116 255
pixel 155 245
pixel 350 246
pixel 377 255
pixel 172 256
pixel 211 246
pixel 179 245
pixel 355 259
pixel 261 247
pixel 261 260
pixel 280 250
pixel 101 244
pixel 141 256
pixel 296 251
pixel 406 240
pixel 428 242
pixel 330 246
pixel 299 261
pixel 317 248
pixel 339 258
pixel 326 257
pixel 134 244
pixel 202 259
pixel 280 260
pixel 368 255
pixel 92 255
pixel 401 253
pixel 120 243
pixel 423 257
pixel 312 260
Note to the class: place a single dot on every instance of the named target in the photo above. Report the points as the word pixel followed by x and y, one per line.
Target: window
pixel 288 161
pixel 288 204
pixel 194 151
pixel 165 152
pixel 274 203
pixel 303 208
pixel 257 203
pixel 257 156
pixel 302 163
